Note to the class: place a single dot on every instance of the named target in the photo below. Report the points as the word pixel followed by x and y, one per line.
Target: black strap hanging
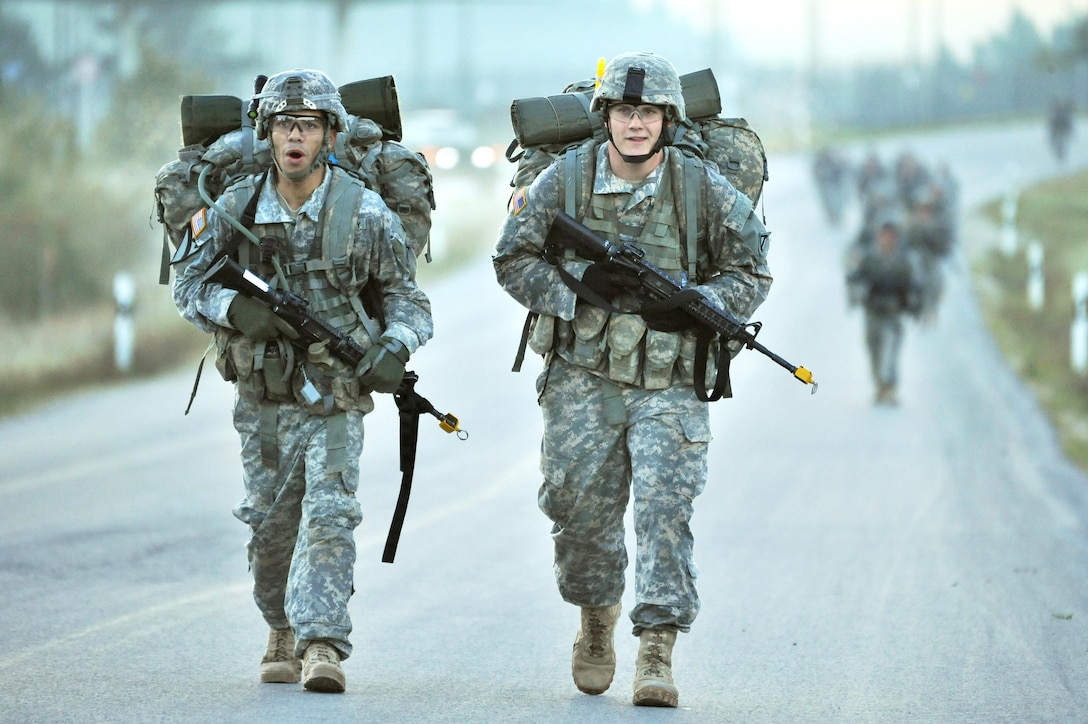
pixel 409 438
pixel 722 386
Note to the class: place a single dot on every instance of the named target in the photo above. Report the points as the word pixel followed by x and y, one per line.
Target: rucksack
pixel 221 147
pixel 545 128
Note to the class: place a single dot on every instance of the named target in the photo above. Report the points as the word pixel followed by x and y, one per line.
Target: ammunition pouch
pixel 277 372
pixel 621 348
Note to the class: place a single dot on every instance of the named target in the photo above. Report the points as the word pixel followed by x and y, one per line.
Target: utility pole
pixel 339 33
pixel 813 72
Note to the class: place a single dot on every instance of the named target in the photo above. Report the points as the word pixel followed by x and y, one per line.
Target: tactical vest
pixel 620 346
pixel 327 279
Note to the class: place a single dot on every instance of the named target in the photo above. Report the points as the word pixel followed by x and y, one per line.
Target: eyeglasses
pixel 309 125
pixel 625 112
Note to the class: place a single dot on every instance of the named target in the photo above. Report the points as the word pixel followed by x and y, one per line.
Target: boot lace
pixel 322 653
pixel 654 661
pixel 596 635
pixel 282 648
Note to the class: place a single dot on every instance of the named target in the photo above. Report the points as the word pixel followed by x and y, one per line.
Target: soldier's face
pixel 297 142
pixel 635 135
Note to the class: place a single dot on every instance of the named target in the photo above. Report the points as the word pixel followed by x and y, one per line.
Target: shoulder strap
pixel 572 181
pixel 572 163
pixel 338 230
pixel 690 192
pixel 339 236
pixel 249 214
pixel 694 193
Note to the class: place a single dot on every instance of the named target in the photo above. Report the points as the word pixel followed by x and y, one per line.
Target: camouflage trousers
pixel 604 444
pixel 303 520
pixel 883 337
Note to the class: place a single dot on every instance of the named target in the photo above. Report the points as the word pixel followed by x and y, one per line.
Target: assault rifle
pixel 312 329
pixel 655 285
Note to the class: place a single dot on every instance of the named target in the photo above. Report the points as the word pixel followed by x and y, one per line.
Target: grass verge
pixel 1037 343
pixel 66 353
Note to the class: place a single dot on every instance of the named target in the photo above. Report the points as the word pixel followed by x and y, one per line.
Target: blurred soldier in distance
pixel 887 284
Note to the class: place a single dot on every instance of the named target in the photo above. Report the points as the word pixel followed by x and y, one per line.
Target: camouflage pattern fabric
pixel 661 85
pixel 303 515
pixel 300 90
pixel 401 176
pixel 592 466
pixel 381 256
pixel 733 274
pixel 605 440
pixel 302 548
pixel 398 174
pixel 737 151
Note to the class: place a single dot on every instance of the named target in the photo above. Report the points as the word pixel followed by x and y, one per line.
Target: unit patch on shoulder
pixel 198 223
pixel 519 201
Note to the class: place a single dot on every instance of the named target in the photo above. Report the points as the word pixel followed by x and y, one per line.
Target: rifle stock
pixel 655 284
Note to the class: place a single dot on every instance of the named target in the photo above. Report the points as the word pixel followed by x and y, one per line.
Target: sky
pixel 851 31
pixel 475 52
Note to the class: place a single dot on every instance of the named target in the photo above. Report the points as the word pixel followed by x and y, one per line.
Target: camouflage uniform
pixel 604 438
pixel 300 496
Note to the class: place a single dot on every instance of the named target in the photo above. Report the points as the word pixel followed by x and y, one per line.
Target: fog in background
pixel 777 63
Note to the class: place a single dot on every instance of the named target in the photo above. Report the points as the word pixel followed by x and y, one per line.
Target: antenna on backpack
pixel 258 86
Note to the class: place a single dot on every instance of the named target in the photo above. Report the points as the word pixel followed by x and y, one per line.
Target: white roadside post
pixel 1078 336
pixel 1036 284
pixel 124 331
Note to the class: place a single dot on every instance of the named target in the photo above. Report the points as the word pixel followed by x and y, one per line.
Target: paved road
pixel 925 563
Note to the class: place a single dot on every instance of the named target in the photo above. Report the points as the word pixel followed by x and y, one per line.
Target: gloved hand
pixel 257 321
pixel 609 280
pixel 668 315
pixel 382 367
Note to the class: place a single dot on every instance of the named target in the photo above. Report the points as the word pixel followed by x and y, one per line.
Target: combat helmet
pixel 300 90
pixel 638 78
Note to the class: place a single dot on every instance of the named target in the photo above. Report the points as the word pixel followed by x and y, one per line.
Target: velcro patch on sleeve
pixel 198 223
pixel 519 201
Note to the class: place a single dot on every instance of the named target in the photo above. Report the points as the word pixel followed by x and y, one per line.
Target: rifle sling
pixel 722 386
pixel 525 329
pixel 410 407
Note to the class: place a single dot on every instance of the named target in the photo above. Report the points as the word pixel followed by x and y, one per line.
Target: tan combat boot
pixel 653 669
pixel 279 665
pixel 321 669
pixel 593 662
